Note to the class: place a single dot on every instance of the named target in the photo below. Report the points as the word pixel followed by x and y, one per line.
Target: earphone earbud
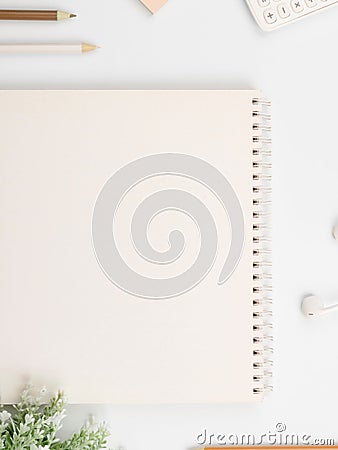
pixel 313 306
pixel 335 232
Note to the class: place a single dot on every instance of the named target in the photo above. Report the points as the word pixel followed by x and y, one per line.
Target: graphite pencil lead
pixel 63 15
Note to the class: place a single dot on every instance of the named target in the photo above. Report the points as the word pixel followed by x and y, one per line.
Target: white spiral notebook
pixel 134 263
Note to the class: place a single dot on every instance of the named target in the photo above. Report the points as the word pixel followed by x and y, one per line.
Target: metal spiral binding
pixel 261 241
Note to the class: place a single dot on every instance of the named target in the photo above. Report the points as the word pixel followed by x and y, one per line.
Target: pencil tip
pixel 63 15
pixel 88 47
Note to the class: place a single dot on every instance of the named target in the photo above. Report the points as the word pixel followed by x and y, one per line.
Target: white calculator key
pixel 284 10
pixel 270 16
pixel 297 6
pixel 311 3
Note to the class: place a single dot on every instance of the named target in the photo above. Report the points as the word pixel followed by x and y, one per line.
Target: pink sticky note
pixel 154 5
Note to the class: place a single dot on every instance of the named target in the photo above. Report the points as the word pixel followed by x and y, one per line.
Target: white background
pixel 216 44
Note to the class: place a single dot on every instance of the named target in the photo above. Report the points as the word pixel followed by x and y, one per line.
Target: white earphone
pixel 335 232
pixel 313 306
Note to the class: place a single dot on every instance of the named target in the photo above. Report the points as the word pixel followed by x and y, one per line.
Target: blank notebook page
pixel 126 240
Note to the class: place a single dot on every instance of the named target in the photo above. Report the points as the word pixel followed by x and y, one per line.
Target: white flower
pixel 29 419
pixel 34 447
pixel 58 418
pixel 4 416
pixel 91 422
pixel 23 428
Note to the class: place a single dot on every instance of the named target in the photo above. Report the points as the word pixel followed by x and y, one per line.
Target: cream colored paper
pixel 154 5
pixel 64 322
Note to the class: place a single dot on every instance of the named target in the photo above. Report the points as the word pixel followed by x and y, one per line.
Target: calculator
pixel 272 14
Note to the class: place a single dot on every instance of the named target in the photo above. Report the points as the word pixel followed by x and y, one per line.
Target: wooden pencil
pixel 30 14
pixel 47 48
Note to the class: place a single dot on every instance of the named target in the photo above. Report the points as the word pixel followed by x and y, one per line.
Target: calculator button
pixel 311 3
pixel 263 2
pixel 297 6
pixel 270 16
pixel 283 10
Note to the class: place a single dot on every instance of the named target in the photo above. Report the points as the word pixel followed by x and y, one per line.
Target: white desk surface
pixel 216 44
